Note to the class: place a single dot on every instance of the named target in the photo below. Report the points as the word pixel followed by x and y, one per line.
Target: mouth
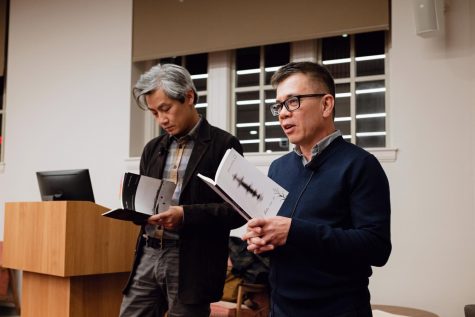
pixel 288 128
pixel 168 129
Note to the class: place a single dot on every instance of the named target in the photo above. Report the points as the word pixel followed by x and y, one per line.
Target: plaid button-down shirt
pixel 179 153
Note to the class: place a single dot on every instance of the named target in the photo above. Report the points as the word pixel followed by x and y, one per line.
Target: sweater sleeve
pixel 367 240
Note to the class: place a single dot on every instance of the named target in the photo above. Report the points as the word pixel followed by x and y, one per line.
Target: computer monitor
pixel 65 185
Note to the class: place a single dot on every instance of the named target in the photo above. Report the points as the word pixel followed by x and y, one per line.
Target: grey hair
pixel 174 80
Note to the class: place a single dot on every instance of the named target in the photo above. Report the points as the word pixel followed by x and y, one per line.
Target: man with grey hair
pixel 181 254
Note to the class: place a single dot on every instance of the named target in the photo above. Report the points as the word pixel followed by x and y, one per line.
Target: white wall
pixel 68 94
pixel 68 107
pixel 432 122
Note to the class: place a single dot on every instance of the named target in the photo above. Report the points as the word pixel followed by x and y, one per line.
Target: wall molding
pixel 263 160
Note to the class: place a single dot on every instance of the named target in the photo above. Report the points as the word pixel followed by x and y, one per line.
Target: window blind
pixel 181 27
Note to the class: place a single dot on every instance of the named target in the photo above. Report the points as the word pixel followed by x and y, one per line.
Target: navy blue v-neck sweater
pixel 340 209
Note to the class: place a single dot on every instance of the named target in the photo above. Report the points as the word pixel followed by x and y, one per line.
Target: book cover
pixel 247 189
pixel 141 197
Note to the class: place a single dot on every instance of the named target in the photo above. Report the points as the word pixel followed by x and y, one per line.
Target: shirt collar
pixel 191 135
pixel 319 147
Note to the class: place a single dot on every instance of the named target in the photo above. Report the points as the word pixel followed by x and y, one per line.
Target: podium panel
pixel 78 296
pixel 74 261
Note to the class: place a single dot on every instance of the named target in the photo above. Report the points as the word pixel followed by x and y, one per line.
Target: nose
pixel 284 113
pixel 161 119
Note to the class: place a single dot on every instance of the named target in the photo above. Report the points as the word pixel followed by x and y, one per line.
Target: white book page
pixel 206 179
pixel 257 194
pixel 146 193
pixel 218 191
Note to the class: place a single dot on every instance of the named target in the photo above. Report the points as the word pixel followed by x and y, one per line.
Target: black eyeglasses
pixel 291 103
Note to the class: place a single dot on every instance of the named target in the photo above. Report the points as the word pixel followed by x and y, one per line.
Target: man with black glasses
pixel 335 223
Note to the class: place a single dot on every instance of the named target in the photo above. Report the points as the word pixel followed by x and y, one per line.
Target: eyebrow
pixel 286 97
pixel 159 107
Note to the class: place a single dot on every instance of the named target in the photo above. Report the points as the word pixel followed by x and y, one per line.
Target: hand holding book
pixel 171 219
pixel 142 197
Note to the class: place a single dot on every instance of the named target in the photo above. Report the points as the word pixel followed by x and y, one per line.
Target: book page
pixel 223 195
pixel 142 196
pixel 145 197
pixel 206 179
pixel 252 190
pixel 146 194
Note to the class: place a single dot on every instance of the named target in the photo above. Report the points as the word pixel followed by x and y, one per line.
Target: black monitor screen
pixel 65 185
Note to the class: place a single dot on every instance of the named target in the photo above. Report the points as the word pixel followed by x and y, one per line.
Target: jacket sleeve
pixel 217 214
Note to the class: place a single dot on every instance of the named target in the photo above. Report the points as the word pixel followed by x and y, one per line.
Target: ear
pixel 328 104
pixel 190 97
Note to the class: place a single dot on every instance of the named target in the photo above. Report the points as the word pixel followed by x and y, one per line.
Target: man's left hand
pixel 265 234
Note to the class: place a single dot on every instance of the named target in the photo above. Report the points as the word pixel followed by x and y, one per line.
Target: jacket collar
pixel 199 149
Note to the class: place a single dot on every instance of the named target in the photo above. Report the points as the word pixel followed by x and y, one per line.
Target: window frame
pixel 221 110
pixel 312 50
pixel 353 79
pixel 261 88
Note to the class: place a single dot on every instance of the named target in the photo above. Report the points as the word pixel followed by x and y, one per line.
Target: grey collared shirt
pixel 319 147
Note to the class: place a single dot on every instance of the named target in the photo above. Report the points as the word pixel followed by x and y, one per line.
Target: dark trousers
pixel 154 289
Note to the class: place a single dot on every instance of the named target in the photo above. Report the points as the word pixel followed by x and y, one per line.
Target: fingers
pixel 169 223
pixel 257 241
pixel 257 244
pixel 154 220
pixel 267 247
pixel 251 233
pixel 254 228
pixel 256 222
pixel 256 249
pixel 170 219
pixel 163 218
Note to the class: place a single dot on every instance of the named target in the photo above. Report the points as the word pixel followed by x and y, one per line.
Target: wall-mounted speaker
pixel 429 17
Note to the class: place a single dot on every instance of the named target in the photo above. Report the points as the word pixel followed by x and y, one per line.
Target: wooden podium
pixel 75 262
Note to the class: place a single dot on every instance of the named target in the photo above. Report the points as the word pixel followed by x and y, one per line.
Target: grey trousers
pixel 154 289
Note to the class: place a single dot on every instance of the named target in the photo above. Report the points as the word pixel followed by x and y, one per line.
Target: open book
pixel 142 196
pixel 247 189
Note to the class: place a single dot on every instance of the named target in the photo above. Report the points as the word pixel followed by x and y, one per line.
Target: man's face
pixel 309 123
pixel 174 117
